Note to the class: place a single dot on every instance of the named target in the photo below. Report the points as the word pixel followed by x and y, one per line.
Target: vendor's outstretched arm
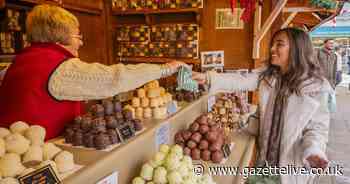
pixel 233 81
pixel 76 80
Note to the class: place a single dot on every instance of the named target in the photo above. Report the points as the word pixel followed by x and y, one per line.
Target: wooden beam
pixel 257 38
pixel 306 9
pixel 316 16
pixel 289 20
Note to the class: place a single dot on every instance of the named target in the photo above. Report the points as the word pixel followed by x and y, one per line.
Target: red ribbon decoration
pixel 247 5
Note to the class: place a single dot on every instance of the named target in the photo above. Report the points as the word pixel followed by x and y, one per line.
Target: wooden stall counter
pixel 127 159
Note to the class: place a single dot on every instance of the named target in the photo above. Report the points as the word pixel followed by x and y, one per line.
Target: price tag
pixel 172 107
pixel 163 135
pixel 211 102
pixel 45 175
pixel 126 131
pixel 111 179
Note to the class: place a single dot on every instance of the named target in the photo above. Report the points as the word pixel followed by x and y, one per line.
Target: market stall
pixel 114 140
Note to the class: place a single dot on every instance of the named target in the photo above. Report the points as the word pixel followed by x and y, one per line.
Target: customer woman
pixel 47 81
pixel 294 116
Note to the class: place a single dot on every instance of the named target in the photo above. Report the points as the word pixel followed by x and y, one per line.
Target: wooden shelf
pixel 7 56
pixel 157 11
pixel 156 60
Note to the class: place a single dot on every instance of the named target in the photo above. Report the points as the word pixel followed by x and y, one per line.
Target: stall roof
pixel 343 31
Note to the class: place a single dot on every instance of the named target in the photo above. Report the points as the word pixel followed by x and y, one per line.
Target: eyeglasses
pixel 79 36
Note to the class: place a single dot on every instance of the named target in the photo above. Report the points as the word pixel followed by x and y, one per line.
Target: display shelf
pixel 128 158
pixel 157 11
pixel 156 60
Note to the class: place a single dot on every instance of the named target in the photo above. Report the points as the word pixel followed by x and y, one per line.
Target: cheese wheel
pixel 160 101
pixel 19 127
pixel 135 102
pixel 36 134
pixel 141 93
pixel 139 113
pixel 64 161
pixel 147 112
pixel 10 165
pixel 154 92
pixel 50 151
pixel 162 91
pixel 4 132
pixel 154 102
pixel 33 156
pixel 144 102
pixel 16 143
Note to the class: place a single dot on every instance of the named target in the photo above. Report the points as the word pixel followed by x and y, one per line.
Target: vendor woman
pixel 47 81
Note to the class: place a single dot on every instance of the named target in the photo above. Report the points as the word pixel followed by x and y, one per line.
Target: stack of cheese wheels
pixel 22 150
pixel 150 101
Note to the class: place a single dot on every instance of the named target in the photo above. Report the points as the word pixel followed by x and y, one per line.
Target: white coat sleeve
pixel 315 134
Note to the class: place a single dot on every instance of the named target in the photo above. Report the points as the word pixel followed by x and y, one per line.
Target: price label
pixel 111 179
pixel 172 107
pixel 126 131
pixel 163 135
pixel 45 175
pixel 211 102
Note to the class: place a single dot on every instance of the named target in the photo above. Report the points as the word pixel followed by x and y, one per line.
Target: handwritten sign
pixel 163 135
pixel 126 131
pixel 45 175
pixel 211 102
pixel 111 179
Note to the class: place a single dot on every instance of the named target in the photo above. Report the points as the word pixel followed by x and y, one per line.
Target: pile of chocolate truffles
pixel 187 96
pixel 229 110
pixel 99 128
pixel 203 140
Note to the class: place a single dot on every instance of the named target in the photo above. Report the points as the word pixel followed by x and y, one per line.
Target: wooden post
pixel 289 20
pixel 2 4
pixel 257 38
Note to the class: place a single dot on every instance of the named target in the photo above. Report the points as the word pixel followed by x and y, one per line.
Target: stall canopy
pixel 338 27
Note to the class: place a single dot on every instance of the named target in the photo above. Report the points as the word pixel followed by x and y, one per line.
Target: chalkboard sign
pixel 44 175
pixel 126 131
pixel 226 149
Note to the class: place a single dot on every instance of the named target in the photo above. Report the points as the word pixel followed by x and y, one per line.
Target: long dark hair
pixel 302 63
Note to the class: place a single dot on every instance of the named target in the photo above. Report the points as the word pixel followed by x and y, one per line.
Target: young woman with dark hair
pixel 293 104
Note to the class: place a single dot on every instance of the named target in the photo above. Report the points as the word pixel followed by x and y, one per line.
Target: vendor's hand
pixel 175 65
pixel 317 162
pixel 201 78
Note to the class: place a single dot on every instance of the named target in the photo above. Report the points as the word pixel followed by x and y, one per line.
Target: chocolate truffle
pixel 119 115
pixel 102 141
pixel 108 107
pixel 98 110
pixel 138 124
pixel 69 135
pixel 78 139
pixel 86 123
pixel 111 122
pixel 88 140
pixel 127 115
pixel 98 125
pixel 113 136
pixel 117 107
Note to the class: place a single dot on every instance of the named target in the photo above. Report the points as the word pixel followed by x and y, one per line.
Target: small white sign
pixel 163 135
pixel 111 179
pixel 211 102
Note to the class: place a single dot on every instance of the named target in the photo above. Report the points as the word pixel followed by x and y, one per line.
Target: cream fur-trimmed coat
pixel 306 122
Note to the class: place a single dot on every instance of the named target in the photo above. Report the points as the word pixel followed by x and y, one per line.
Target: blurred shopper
pixel 339 73
pixel 328 61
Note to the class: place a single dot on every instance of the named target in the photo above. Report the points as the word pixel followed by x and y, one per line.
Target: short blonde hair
pixel 48 23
